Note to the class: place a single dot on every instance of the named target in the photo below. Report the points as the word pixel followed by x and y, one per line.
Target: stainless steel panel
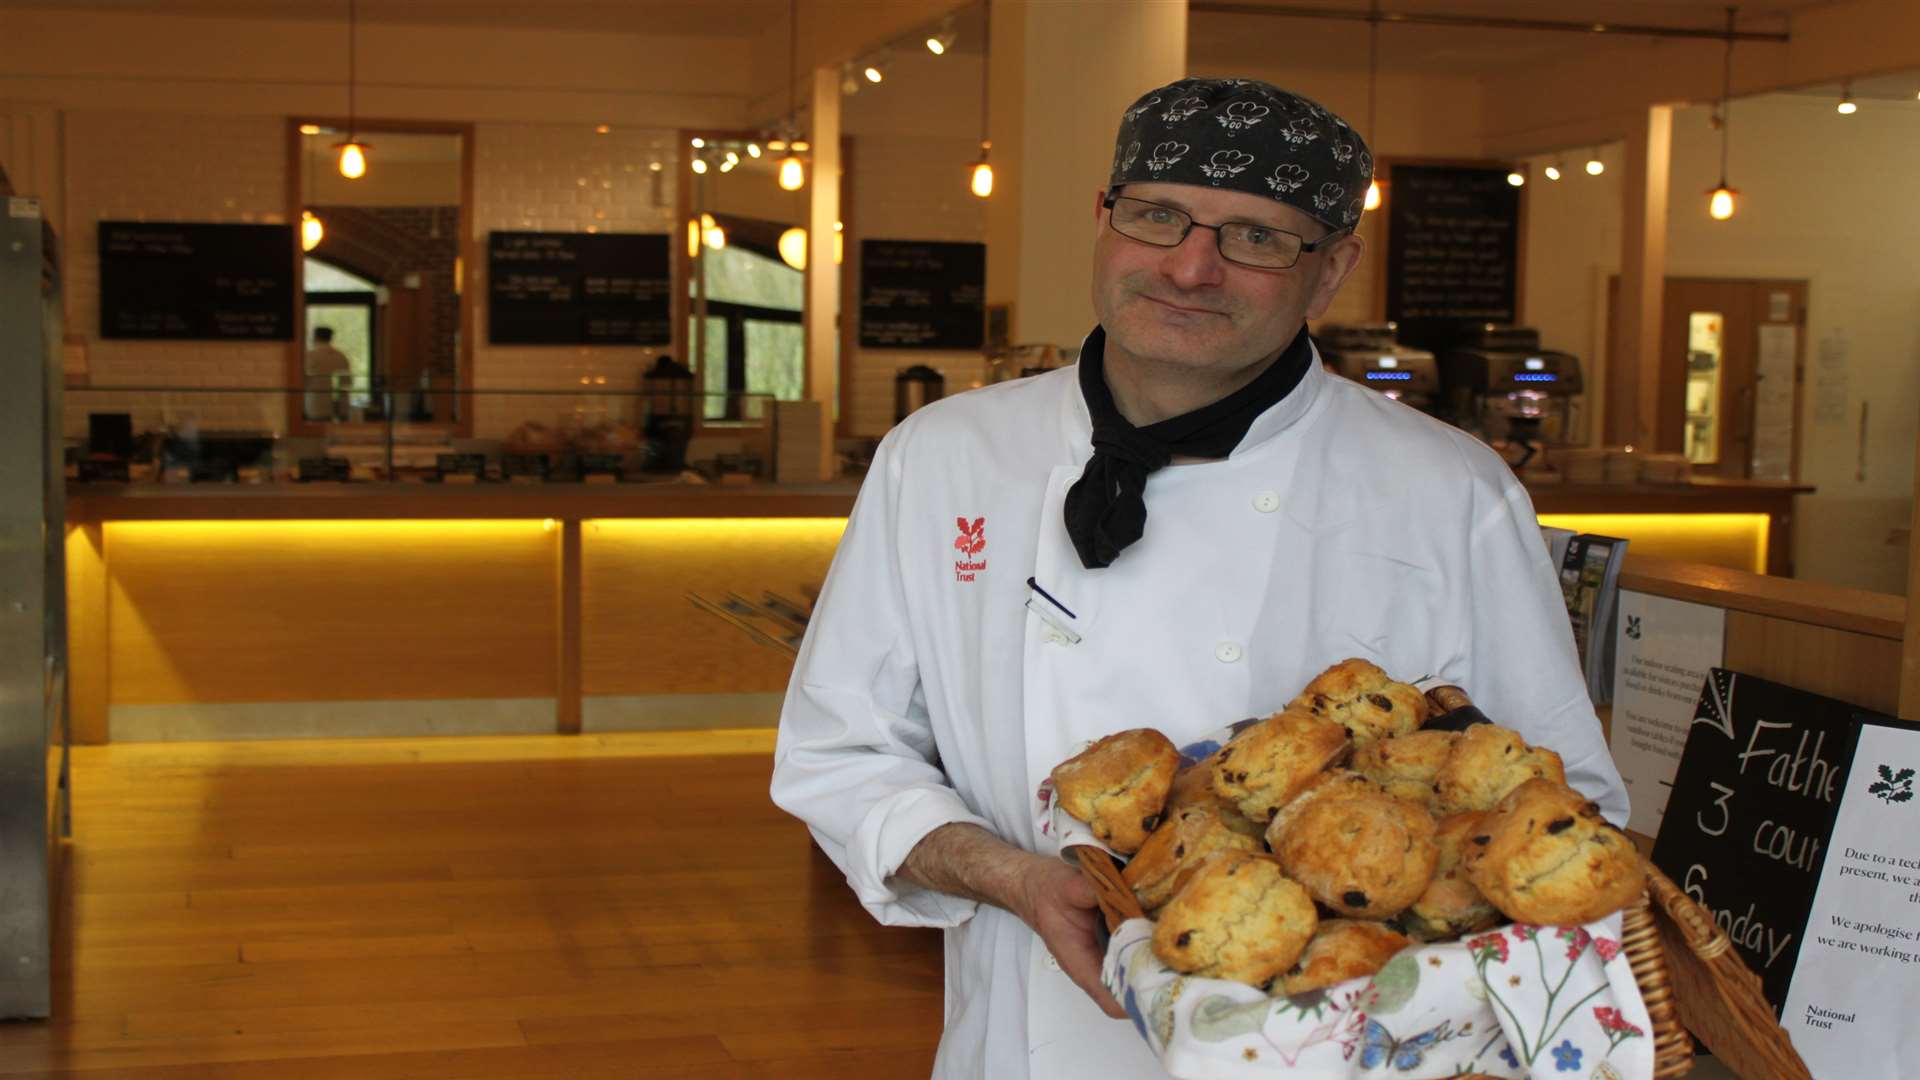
pixel 32 606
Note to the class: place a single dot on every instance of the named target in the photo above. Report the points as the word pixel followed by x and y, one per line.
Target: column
pixel 822 310
pixel 1061 75
pixel 1633 370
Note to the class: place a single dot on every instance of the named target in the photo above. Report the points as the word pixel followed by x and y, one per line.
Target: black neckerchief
pixel 1106 507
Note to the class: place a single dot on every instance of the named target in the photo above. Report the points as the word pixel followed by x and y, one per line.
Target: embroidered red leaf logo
pixel 973 537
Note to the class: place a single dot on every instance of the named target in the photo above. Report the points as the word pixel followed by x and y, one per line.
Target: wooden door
pixel 1731 366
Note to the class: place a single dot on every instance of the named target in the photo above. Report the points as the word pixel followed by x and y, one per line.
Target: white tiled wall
pixel 168 167
pixel 538 178
pixel 907 188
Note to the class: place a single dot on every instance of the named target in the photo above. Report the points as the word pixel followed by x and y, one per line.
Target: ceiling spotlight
pixel 793 175
pixel 602 129
pixel 800 146
pixel 1516 178
pixel 1594 166
pixel 849 79
pixel 728 165
pixel 700 165
pixel 309 129
pixel 699 143
pixel 776 145
pixel 753 149
pixel 875 71
pixel 1846 106
pixel 939 43
pixel 1553 172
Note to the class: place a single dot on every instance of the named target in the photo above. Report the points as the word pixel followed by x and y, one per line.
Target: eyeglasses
pixel 1260 246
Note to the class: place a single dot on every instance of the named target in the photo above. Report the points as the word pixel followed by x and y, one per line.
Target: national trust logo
pixel 971 544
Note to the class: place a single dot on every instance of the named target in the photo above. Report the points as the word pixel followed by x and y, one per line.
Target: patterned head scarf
pixel 1246 135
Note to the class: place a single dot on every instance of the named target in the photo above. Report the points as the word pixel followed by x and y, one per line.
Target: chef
pixel 1178 532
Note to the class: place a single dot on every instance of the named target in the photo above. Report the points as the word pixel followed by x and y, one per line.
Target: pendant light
pixel 1720 201
pixel 982 182
pixel 793 175
pixel 353 152
pixel 1373 76
pixel 311 229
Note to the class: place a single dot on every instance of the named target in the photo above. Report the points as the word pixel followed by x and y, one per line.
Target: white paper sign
pixel 1830 380
pixel 1856 986
pixel 1773 403
pixel 1660 660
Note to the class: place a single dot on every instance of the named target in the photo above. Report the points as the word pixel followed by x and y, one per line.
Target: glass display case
pixel 593 435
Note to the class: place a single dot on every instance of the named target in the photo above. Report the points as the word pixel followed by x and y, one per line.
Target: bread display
pixel 1240 918
pixel 1452 906
pixel 1119 785
pixel 1177 849
pixel 1271 762
pixel 1487 762
pixel 1318 842
pixel 1360 697
pixel 1343 949
pixel 1364 854
pixel 1406 765
pixel 1546 856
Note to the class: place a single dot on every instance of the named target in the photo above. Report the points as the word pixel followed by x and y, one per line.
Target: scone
pixel 1546 856
pixel 1175 851
pixel 1364 855
pixel 1487 762
pixel 1343 949
pixel 1118 786
pixel 1365 700
pixel 1263 769
pixel 1193 790
pixel 1406 765
pixel 1330 784
pixel 1452 906
pixel 1239 918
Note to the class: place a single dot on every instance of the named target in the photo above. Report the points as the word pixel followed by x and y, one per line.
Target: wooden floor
pixel 587 906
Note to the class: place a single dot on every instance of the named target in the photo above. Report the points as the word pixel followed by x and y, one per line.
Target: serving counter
pixel 230 610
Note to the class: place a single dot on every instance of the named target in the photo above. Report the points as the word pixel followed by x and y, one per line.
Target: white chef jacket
pixel 926 692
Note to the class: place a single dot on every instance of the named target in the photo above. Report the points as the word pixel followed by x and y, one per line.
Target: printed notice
pixel 1850 1009
pixel 1661 658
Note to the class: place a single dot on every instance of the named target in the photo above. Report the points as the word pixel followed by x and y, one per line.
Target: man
pixel 322 364
pixel 1178 533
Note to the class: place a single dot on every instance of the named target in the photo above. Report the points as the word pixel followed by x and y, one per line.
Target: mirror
pixel 745 253
pixel 384 255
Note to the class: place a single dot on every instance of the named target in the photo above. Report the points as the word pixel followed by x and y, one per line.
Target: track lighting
pixel 1516 178
pixel 1552 171
pixel 1594 165
pixel 939 43
pixel 1846 106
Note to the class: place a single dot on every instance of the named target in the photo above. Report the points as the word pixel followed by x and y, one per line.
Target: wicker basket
pixel 1689 975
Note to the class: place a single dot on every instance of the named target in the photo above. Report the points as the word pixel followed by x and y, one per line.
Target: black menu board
pixel 922 294
pixel 1752 809
pixel 196 282
pixel 579 289
pixel 1453 251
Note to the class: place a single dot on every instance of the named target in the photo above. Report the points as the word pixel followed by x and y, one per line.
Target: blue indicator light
pixel 1389 376
pixel 1534 377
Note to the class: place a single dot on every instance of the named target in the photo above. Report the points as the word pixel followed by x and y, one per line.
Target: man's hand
pixel 1048 895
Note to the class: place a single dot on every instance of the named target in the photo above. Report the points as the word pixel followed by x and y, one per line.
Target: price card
pixel 1850 1010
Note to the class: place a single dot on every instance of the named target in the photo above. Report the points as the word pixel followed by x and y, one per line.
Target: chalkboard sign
pixel 1453 251
pixel 196 282
pixel 579 289
pixel 919 294
pixel 1752 810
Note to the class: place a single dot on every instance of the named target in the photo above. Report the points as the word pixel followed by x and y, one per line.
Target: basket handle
pixel 1110 890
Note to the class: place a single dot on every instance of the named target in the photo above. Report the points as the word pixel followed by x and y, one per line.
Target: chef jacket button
pixel 1267 502
pixel 1226 652
pixel 1052 636
pixel 1052 964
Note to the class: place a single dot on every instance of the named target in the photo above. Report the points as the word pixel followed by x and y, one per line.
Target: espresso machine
pixel 1501 386
pixel 1371 355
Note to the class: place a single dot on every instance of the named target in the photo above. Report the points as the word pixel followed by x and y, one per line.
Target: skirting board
pixel 330 719
pixel 679 712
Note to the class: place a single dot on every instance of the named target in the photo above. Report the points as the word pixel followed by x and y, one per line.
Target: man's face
pixel 1187 307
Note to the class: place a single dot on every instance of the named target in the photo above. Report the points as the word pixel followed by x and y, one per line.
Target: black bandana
pixel 1106 507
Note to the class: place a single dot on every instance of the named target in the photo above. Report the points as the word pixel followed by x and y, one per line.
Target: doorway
pixel 1731 369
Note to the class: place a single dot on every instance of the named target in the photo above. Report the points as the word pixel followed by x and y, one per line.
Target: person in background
pixel 1178 532
pixel 323 363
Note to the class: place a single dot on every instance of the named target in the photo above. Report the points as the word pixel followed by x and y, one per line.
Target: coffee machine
pixel 1371 355
pixel 1501 386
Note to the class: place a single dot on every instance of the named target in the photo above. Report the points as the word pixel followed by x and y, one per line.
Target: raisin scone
pixel 1239 918
pixel 1546 856
pixel 1271 762
pixel 1330 784
pixel 1343 949
pixel 1407 765
pixel 1176 851
pixel 1365 700
pixel 1452 905
pixel 1119 785
pixel 1365 855
pixel 1487 762
pixel 1193 790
